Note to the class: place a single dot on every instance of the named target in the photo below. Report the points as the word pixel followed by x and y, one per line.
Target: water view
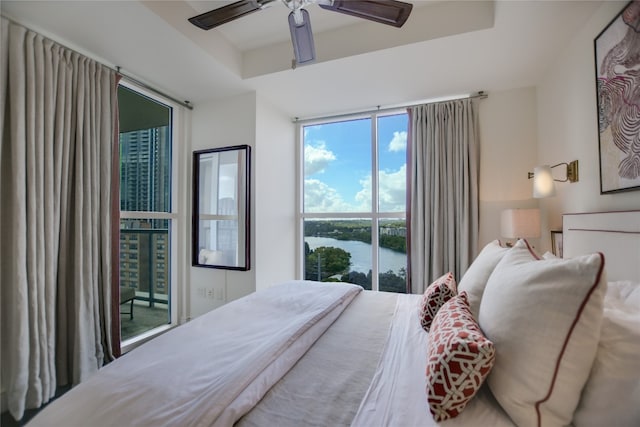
pixel 341 250
pixel 361 254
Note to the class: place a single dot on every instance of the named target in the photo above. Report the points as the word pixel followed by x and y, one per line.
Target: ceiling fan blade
pixel 302 37
pixel 224 14
pixel 390 12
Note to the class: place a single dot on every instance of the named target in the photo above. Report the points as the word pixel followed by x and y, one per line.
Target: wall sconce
pixel 543 180
pixel 520 223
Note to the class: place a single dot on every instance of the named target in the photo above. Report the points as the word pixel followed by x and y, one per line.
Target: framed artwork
pixel 556 243
pixel 618 96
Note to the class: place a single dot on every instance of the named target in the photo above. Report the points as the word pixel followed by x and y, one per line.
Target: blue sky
pixel 338 165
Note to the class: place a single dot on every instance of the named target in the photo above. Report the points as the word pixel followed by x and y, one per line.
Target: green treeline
pixel 329 264
pixel 333 264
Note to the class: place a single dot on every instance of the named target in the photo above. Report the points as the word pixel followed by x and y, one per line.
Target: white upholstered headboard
pixel 615 234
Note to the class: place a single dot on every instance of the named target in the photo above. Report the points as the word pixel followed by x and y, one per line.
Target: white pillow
pixel 544 317
pixel 612 393
pixel 476 276
pixel 624 292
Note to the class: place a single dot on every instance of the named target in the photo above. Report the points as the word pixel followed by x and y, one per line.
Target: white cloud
pixel 398 142
pixel 319 197
pixel 317 158
pixel 363 197
pixel 392 191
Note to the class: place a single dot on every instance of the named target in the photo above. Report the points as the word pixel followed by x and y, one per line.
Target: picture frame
pixel 617 103
pixel 556 243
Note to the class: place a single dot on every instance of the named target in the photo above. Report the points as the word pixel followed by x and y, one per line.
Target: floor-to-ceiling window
pixel 353 210
pixel 146 215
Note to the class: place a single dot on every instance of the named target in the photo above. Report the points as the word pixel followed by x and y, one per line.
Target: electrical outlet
pixel 210 294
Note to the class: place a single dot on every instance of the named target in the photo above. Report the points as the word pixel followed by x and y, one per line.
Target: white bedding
pixel 397 397
pixel 326 386
pixel 209 371
pixel 255 360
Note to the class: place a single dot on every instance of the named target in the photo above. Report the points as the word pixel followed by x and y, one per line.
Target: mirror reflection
pixel 221 207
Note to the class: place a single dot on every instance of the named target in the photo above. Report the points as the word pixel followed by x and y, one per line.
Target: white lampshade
pixel 520 223
pixel 543 184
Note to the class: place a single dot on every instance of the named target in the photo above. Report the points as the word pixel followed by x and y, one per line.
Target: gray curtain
pixel 58 127
pixel 443 190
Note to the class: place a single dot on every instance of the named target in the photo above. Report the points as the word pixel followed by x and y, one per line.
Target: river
pixel 361 254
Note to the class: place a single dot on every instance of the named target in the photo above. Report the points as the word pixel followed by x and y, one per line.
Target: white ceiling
pixel 446 48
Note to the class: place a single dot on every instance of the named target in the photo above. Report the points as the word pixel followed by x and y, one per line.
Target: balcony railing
pixel 144 263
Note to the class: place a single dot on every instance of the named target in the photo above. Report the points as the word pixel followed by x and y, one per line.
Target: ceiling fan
pixel 390 12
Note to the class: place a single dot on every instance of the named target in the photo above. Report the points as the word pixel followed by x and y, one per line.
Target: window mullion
pixel 147 215
pixel 374 203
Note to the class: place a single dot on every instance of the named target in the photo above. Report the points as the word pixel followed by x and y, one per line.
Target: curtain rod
pixel 117 69
pixel 186 104
pixel 480 94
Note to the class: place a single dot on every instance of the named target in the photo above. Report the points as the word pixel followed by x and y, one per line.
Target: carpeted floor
pixel 144 319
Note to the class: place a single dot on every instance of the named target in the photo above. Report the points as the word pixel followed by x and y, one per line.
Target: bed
pixel 544 341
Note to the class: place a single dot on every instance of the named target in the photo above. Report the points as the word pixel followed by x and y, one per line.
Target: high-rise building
pixel 144 172
pixel 145 160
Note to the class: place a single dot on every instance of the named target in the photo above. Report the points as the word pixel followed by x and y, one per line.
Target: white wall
pixel 508 138
pixel 508 151
pixel 568 129
pixel 551 123
pixel 520 128
pixel 275 188
pixel 217 124
pixel 248 119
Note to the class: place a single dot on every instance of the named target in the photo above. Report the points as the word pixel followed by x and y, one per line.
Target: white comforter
pixel 211 370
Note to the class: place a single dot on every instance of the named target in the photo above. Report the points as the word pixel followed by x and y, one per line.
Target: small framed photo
pixel 556 243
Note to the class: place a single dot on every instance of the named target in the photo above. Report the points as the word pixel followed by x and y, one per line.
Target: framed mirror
pixel 221 190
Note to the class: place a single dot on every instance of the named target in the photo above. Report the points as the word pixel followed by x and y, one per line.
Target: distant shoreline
pixel 361 254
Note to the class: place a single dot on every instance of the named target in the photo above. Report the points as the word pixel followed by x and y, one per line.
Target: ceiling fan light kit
pixel 389 12
pixel 302 36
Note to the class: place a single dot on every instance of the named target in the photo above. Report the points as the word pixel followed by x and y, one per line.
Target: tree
pixel 357 278
pixel 391 283
pixel 326 261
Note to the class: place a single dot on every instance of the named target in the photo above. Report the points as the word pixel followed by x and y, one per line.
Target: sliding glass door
pixel 145 212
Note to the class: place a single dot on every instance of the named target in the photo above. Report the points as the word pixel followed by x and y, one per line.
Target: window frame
pixel 374 215
pixel 172 216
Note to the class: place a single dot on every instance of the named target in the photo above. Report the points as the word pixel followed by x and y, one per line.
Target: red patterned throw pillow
pixel 459 359
pixel 434 297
